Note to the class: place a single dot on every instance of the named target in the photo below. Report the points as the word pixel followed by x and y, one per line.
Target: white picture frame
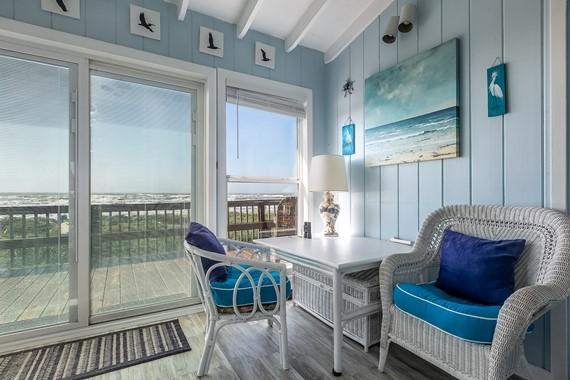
pixel 73 8
pixel 151 17
pixel 264 55
pixel 217 40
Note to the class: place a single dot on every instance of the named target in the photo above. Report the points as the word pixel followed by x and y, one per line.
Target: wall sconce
pixel 407 18
pixel 391 30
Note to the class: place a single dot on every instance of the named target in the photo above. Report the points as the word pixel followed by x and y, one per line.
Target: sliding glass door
pixel 141 186
pixel 37 255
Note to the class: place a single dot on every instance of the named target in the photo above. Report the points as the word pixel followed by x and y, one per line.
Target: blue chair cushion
pixel 461 318
pixel 201 237
pixel 479 270
pixel 223 291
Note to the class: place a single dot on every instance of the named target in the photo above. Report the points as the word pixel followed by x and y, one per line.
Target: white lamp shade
pixel 328 173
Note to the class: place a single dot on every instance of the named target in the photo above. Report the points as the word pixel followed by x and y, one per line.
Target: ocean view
pixel 61 199
pixel 425 137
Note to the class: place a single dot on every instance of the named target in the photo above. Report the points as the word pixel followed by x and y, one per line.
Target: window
pixel 37 253
pixel 262 164
pixel 141 186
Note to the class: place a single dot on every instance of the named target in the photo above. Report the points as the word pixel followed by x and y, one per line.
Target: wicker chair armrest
pixel 521 309
pixel 402 267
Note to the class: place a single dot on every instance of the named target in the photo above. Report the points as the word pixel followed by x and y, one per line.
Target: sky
pixel 417 86
pixel 140 135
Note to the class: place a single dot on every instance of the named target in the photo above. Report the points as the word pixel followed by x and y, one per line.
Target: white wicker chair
pixel 542 278
pixel 218 317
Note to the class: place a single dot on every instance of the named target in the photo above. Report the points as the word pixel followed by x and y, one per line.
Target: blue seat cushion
pixel 201 237
pixel 461 318
pixel 223 291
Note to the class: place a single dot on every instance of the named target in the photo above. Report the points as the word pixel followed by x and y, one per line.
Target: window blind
pixel 266 102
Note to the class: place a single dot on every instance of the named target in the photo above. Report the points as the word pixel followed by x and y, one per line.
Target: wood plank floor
pixel 37 298
pixel 251 352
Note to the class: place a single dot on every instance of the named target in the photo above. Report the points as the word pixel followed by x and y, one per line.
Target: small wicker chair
pixel 244 257
pixel 542 278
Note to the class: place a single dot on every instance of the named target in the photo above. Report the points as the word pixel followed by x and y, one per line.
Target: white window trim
pixel 43 42
pixel 305 137
pixel 556 156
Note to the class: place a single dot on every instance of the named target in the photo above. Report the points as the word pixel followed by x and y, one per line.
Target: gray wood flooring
pixel 251 352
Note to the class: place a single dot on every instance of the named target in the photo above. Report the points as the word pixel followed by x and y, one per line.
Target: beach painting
pixel 348 140
pixel 411 110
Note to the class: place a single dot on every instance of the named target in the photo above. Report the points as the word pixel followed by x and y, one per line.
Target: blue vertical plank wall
pixel 501 159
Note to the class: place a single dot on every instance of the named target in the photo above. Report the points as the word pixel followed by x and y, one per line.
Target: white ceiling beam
pixel 183 6
pixel 304 24
pixel 370 13
pixel 247 17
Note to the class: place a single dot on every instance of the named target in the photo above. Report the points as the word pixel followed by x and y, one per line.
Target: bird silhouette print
pixel 61 5
pixel 211 44
pixel 144 23
pixel 264 56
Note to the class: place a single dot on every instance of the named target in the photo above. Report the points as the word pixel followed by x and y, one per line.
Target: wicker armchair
pixel 542 278
pixel 245 258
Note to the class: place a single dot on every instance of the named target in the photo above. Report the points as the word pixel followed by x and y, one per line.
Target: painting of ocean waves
pixel 425 137
pixel 412 109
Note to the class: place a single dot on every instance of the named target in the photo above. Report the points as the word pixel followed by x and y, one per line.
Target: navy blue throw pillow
pixel 201 237
pixel 478 270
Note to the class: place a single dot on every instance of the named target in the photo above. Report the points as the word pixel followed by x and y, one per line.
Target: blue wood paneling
pixel 179 36
pixel 371 65
pixel 486 132
pixel 7 8
pixel 457 172
pixel 523 124
pixel 123 28
pixel 30 11
pixel 100 20
pixel 70 24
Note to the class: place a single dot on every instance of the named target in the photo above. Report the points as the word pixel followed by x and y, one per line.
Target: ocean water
pixel 426 137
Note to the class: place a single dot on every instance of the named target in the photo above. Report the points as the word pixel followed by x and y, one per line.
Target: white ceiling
pixel 280 18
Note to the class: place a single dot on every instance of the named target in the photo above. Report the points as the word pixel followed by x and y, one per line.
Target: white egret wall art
pixel 412 109
pixel 496 91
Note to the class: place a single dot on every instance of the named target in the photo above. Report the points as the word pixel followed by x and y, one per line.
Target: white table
pixel 335 256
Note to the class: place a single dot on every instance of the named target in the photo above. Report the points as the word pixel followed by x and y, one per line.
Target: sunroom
pixel 259 189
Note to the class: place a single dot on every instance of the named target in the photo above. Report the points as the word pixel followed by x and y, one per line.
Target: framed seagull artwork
pixel 145 22
pixel 69 8
pixel 211 42
pixel 264 55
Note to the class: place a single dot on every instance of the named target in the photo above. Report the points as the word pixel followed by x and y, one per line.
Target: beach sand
pixel 448 151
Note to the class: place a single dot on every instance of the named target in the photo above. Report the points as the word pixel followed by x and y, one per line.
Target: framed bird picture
pixel 145 22
pixel 70 8
pixel 264 55
pixel 211 42
pixel 496 90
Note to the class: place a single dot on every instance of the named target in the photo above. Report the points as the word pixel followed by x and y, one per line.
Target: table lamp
pixel 328 174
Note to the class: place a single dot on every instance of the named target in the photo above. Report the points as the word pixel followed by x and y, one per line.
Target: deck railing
pixel 37 237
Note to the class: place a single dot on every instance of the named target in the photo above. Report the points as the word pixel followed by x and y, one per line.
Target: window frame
pixel 304 143
pixel 166 82
pixel 21 38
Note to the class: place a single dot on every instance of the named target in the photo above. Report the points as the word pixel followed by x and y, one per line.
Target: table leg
pixel 337 322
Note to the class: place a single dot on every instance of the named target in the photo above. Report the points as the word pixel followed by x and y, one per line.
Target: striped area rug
pixel 93 356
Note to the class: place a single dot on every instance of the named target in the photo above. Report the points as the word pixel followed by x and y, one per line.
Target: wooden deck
pixel 41 297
